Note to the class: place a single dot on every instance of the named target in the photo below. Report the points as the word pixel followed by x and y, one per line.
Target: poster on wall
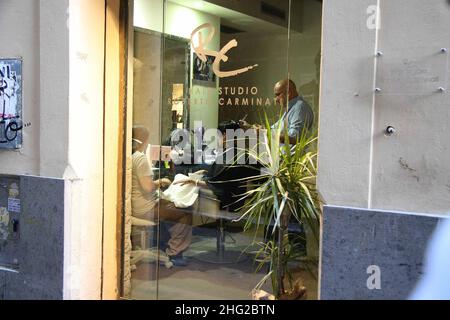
pixel 203 73
pixel 10 103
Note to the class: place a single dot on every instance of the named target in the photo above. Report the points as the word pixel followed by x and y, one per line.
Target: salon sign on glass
pixel 201 51
pixel 10 103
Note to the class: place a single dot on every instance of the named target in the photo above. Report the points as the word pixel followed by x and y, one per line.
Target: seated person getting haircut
pixel 145 204
pixel 223 179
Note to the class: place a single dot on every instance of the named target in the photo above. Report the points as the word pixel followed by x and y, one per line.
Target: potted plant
pixel 284 193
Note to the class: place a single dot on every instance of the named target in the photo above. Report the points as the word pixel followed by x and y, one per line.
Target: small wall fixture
pixel 390 130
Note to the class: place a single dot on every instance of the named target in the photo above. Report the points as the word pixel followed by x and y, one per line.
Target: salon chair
pixel 209 206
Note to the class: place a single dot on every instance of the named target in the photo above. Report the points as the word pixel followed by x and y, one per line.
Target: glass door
pixel 210 77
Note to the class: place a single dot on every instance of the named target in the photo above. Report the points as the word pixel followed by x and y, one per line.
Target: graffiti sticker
pixel 11 104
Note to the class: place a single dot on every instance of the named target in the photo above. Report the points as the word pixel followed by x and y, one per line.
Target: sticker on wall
pixel 11 103
pixel 14 205
pixel 13 198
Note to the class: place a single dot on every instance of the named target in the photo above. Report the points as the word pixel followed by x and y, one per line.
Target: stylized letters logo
pixel 220 56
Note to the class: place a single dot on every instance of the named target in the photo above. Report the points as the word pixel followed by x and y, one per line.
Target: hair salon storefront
pixel 204 74
pixel 151 92
pixel 152 167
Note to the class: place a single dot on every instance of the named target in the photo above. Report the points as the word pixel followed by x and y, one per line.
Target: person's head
pixel 140 138
pixel 285 90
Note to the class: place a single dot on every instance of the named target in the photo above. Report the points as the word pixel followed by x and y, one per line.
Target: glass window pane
pixel 205 89
pixel 304 71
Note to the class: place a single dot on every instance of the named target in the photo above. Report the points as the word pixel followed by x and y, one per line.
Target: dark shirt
pixel 227 181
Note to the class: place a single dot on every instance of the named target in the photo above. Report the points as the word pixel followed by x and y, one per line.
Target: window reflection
pixel 194 243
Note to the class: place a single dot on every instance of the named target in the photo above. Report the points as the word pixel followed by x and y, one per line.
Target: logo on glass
pixel 220 56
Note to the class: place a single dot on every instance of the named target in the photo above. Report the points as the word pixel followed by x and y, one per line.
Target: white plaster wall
pixel 347 84
pixel 358 165
pixel 411 169
pixel 54 87
pixel 84 175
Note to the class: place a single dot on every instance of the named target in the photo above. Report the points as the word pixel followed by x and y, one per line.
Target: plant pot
pixel 299 293
pixel 262 295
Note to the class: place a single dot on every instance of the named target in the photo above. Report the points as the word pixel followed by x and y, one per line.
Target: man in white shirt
pixel 299 114
pixel 145 204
